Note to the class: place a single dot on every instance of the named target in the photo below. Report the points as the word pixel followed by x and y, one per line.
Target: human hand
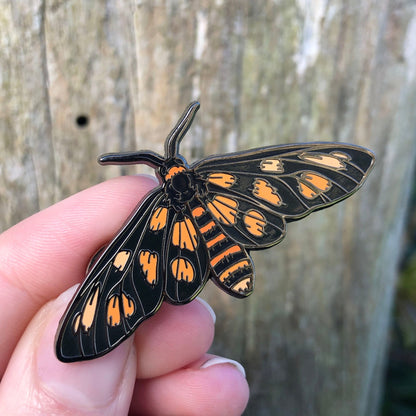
pixel 163 369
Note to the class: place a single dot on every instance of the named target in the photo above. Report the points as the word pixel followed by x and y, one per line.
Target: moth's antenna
pixel 131 158
pixel 152 158
pixel 177 133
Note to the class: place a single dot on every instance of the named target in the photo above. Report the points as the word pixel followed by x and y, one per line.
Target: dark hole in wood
pixel 82 120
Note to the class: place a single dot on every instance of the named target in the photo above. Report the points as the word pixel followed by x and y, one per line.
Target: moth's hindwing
pixel 124 287
pixel 246 221
pixel 230 264
pixel 261 189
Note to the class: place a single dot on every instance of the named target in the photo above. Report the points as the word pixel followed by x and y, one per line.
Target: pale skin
pixel 163 369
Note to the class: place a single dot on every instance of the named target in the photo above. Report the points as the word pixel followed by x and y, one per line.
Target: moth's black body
pixel 201 223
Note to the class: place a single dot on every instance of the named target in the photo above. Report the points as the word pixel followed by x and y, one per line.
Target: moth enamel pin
pixel 199 224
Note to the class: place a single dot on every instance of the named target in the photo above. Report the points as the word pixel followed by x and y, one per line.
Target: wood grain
pixel 313 336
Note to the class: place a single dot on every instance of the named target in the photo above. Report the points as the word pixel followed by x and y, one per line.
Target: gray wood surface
pixel 313 336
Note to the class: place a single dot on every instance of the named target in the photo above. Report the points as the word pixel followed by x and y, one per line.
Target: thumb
pixel 35 382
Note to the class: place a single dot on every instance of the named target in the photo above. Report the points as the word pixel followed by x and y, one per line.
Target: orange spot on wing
pixel 255 222
pixel 225 253
pixel 207 227
pixel 312 184
pixel 226 273
pixel 148 262
pixel 121 259
pixel 306 191
pixel 263 190
pixel 324 159
pixel 113 311
pixel 184 234
pixel 317 181
pixel 224 209
pixel 215 240
pixel 128 305
pixel 182 269
pixel 224 180
pixel 158 219
pixel 272 165
pixel 90 307
pixel 173 171
pixel 341 155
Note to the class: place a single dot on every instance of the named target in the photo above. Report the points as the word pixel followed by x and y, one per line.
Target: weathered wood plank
pixel 313 335
pixel 27 160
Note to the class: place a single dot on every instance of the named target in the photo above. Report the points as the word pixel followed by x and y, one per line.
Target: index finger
pixel 48 252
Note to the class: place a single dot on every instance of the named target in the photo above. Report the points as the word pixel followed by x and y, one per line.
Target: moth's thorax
pixel 171 167
pixel 182 184
pixel 182 181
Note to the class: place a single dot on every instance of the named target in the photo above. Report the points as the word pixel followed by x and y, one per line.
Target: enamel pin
pixel 199 224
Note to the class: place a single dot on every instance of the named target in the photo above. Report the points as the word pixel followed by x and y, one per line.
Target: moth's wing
pixel 187 264
pixel 123 287
pixel 260 190
pixel 231 267
pixel 244 221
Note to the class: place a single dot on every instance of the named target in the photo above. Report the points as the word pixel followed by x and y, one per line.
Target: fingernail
pixel 79 385
pixel 222 360
pixel 208 307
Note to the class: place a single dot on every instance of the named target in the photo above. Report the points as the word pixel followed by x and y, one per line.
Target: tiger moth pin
pixel 199 224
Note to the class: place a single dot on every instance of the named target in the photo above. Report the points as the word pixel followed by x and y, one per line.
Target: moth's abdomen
pixel 230 263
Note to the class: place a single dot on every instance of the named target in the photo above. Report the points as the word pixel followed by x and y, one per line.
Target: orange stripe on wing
pixel 224 180
pixel 113 311
pixel 207 227
pixel 244 287
pixel 233 268
pixel 184 235
pixel 224 209
pixel 225 253
pixel 158 219
pixel 148 261
pixel 215 240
